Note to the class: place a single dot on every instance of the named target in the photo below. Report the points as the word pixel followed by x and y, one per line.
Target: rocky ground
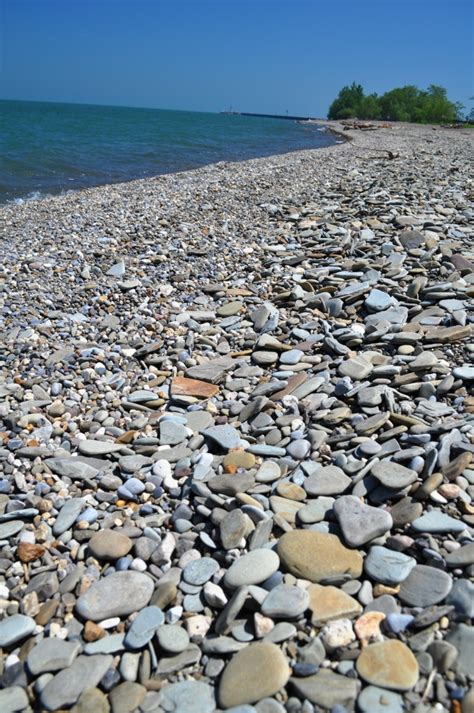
pixel 237 437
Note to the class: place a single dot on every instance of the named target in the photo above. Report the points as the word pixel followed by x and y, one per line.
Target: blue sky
pixel 256 55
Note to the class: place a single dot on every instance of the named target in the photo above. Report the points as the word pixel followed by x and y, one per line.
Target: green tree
pixel 347 102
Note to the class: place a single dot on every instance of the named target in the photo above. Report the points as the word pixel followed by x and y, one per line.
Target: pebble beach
pixel 237 436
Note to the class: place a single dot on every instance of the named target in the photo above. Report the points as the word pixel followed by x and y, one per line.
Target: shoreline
pixel 237 433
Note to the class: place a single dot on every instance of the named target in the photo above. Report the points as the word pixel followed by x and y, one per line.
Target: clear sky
pixel 256 55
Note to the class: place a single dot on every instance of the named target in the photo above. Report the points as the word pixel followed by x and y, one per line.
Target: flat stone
pixel 72 468
pixel 466 372
pixel 212 371
pixel 172 433
pixel 388 664
pixel 360 523
pixel 187 697
pixel 425 586
pixel 172 638
pixel 461 597
pixel 252 568
pixel 226 437
pixel 67 515
pixel 109 545
pixel 405 511
pixel 13 699
pixel 119 594
pixel 330 603
pixel 316 510
pixel 373 699
pixel 8 529
pixel 65 688
pixel 127 697
pixel 257 671
pixel 285 601
pixel 462 557
pixel 393 475
pixel 462 638
pixel 52 655
pixel 199 571
pixel 317 556
pixel 182 386
pixel 327 689
pixel 329 480
pixel 238 459
pixel 357 368
pixel 143 627
pixel 227 484
pixel 268 472
pixel 437 521
pixel 98 448
pixel 15 628
pixel 388 566
pixel 232 528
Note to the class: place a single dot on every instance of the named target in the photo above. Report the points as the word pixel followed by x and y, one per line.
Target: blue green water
pixel 49 148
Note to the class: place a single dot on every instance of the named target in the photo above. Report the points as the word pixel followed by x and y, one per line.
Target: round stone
pixel 377 700
pixel 393 475
pixel 109 545
pixel 425 586
pixel 252 568
pixel 119 594
pixel 257 671
pixel 317 556
pixel 200 571
pixel 388 664
pixel 172 638
pixel 329 480
pixel 188 697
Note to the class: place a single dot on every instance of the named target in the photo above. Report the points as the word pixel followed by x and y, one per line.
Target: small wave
pixel 33 196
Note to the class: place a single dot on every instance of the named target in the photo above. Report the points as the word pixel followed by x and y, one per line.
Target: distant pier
pixel 270 116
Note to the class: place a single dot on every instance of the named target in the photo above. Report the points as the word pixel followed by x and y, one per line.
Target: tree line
pixel 430 106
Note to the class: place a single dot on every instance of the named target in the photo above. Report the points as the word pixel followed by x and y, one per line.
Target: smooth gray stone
pixel 8 529
pixel 360 523
pixel 462 598
pixel 329 480
pixel 52 655
pixel 385 604
pixel 378 700
pixel 15 628
pixel 462 638
pixel 226 437
pixel 110 644
pixel 72 468
pixel 170 664
pixel 13 700
pixel 141 396
pixel 465 372
pixel 282 631
pixel 98 448
pixel 393 475
pixel 119 594
pixel 437 521
pixel 172 638
pixel 66 687
pixel 316 510
pixel 285 601
pixel 172 433
pixel 232 528
pixel 187 697
pixel 377 300
pixel 45 585
pixel 462 557
pixel 252 568
pixel 261 449
pixel 217 645
pixel 200 571
pixel 327 689
pixel 388 566
pixel 144 627
pixel 212 371
pixel 425 586
pixel 68 515
pixel 23 514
